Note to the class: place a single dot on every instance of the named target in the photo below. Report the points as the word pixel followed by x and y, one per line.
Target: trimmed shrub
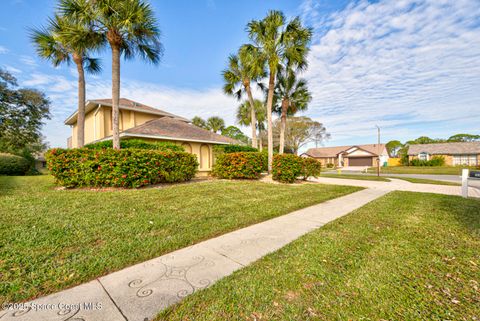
pixel 286 167
pixel 247 165
pixel 130 168
pixel 228 149
pixel 13 164
pixel 330 165
pixel 435 161
pixel 138 144
pixel 311 168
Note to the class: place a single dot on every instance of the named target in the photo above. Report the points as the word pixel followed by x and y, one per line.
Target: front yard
pixel 405 256
pixel 52 239
pixel 439 170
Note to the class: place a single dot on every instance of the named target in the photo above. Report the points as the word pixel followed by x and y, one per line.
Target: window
pixel 469 160
pixel 423 156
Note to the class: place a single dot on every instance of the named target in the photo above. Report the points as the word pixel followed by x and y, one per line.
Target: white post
pixel 465 183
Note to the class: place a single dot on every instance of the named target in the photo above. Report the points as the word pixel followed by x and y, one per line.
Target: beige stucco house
pixel 144 122
pixel 350 156
pixel 455 154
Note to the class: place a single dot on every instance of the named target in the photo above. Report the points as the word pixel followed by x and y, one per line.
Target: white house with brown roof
pixel 350 156
pixel 144 122
pixel 455 154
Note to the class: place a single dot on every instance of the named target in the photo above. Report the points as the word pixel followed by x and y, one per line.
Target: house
pixel 349 156
pixel 140 121
pixel 455 154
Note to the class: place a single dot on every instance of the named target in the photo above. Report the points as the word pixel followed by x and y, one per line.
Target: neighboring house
pixel 348 156
pixel 40 162
pixel 463 153
pixel 144 122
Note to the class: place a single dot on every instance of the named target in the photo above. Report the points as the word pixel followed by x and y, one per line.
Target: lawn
pixel 358 177
pixel 439 170
pixel 405 256
pixel 426 181
pixel 52 239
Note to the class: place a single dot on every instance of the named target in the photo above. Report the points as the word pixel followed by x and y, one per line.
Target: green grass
pixel 426 181
pixel 440 170
pixel 405 256
pixel 52 239
pixel 357 177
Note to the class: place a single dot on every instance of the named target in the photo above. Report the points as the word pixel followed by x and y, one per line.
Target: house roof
pixel 334 151
pixel 124 104
pixel 445 148
pixel 174 129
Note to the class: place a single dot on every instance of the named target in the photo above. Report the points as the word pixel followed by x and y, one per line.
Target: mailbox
pixel 474 174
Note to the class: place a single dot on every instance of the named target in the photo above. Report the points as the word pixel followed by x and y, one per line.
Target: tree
pixel 393 147
pixel 424 140
pixel 464 138
pixel 22 112
pixel 199 122
pixel 235 133
pixel 301 131
pixel 244 118
pixel 278 41
pixel 215 124
pixel 129 27
pixel 247 66
pixel 291 95
pixel 64 41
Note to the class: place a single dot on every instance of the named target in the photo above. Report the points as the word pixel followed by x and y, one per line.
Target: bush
pixel 435 161
pixel 286 167
pixel 119 168
pixel 138 144
pixel 228 149
pixel 311 168
pixel 330 165
pixel 13 164
pixel 247 165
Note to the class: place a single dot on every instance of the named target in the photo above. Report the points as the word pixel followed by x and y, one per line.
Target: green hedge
pixel 310 168
pixel 228 149
pixel 13 164
pixel 435 161
pixel 129 168
pixel 286 167
pixel 139 144
pixel 247 165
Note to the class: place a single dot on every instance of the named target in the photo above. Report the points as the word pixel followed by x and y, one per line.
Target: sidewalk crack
pixel 113 301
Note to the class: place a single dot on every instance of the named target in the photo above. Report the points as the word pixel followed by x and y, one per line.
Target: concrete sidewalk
pixel 139 292
pixel 400 185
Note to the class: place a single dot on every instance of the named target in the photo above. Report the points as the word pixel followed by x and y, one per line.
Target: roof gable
pixel 323 152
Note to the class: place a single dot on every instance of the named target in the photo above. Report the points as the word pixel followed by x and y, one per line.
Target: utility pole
pixel 378 151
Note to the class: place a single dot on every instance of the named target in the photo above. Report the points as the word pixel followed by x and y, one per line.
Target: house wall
pixel 98 123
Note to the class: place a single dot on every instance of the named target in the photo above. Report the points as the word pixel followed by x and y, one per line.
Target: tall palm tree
pixel 247 66
pixel 291 95
pixel 129 27
pixel 199 122
pixel 278 42
pixel 56 43
pixel 215 124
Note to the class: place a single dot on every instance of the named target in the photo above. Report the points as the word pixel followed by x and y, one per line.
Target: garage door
pixel 360 161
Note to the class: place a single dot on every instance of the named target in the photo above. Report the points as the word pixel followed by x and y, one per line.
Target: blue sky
pixel 411 67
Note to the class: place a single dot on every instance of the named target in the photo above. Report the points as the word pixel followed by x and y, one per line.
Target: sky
pixel 410 67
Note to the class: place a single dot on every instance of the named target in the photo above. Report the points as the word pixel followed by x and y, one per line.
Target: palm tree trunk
pixel 81 101
pixel 283 125
pixel 271 85
pixel 115 96
pixel 253 120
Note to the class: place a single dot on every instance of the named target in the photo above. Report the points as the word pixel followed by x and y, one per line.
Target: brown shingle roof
pixel 175 129
pixel 334 151
pixel 445 148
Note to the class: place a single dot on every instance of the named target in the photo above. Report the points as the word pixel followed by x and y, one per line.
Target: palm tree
pixel 291 95
pixel 247 66
pixel 199 122
pixel 215 124
pixel 244 118
pixel 278 42
pixel 129 27
pixel 56 44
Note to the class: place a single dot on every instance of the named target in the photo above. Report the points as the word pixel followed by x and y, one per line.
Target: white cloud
pixel 411 67
pixel 3 50
pixel 27 60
